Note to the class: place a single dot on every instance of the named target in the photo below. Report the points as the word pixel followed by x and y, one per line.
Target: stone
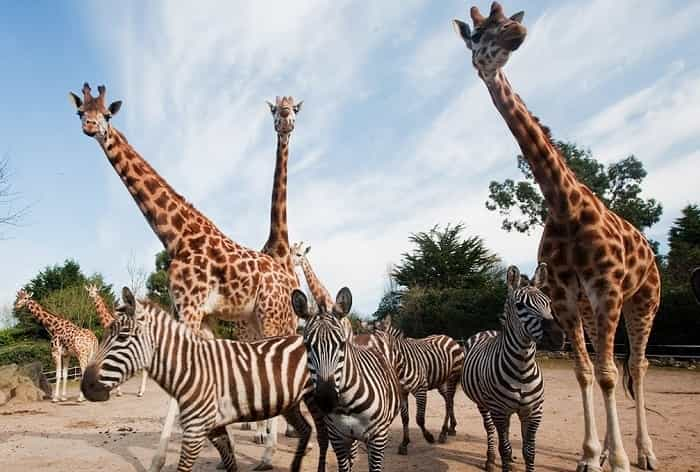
pixel 34 371
pixel 4 398
pixel 26 391
pixel 8 377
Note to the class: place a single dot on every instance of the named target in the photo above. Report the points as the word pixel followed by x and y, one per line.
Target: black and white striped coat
pixel 500 372
pixel 434 362
pixel 215 382
pixel 355 387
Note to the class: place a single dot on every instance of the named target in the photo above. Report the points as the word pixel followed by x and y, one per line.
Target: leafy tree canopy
pixel 157 284
pixel 619 186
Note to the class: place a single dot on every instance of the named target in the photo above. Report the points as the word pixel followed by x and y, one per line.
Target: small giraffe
pixel 318 290
pixel 211 277
pixel 106 318
pixel 601 265
pixel 67 340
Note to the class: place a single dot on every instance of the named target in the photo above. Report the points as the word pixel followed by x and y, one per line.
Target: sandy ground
pixel 121 435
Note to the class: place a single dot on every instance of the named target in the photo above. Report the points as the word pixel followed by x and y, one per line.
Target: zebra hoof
pixel 429 437
pixel 263 466
pixel 586 467
pixel 140 394
pixel 490 466
pixel 442 439
pixel 452 432
pixel 403 449
pixel 55 400
pixel 221 466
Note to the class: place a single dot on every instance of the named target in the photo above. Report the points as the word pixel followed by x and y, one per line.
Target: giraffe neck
pixel 106 316
pixel 318 291
pixel 557 181
pixel 167 212
pixel 48 320
pixel 277 244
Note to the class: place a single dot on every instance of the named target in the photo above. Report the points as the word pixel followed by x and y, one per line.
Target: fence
pixel 73 373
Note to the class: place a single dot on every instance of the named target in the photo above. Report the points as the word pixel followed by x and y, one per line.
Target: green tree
pixel 684 246
pixel 158 285
pixel 619 186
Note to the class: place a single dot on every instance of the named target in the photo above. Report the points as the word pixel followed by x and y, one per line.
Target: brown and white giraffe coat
pixel 67 339
pixel 600 265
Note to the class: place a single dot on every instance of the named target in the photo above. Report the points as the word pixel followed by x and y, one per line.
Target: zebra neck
pixel 176 349
pixel 517 349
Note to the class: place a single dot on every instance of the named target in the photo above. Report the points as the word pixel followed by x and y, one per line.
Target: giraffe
pixel 106 318
pixel 318 290
pixel 211 277
pixel 601 266
pixel 67 339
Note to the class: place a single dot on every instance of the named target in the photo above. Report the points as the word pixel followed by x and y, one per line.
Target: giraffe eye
pixel 476 37
pixel 80 113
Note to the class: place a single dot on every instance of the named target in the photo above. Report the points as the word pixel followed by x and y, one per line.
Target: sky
pixel 396 134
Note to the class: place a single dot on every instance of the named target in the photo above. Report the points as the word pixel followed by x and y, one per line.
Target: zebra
pixel 355 387
pixel 215 382
pixel 434 362
pixel 500 373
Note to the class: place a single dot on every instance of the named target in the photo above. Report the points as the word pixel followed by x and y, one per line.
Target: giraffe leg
pixel 57 357
pixel 607 308
pixel 158 460
pixel 491 439
pixel 83 365
pixel 421 402
pixel 66 363
pixel 639 314
pixel 144 379
pixel 270 445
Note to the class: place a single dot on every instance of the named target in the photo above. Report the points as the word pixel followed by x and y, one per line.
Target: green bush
pixel 24 352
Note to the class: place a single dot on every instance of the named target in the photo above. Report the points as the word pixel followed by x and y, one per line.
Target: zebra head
pixel 527 308
pixel 126 347
pixel 326 340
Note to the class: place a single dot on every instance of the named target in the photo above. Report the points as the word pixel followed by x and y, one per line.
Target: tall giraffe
pixel 106 319
pixel 318 290
pixel 211 277
pixel 600 264
pixel 67 339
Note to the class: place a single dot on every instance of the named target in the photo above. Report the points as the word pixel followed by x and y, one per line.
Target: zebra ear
pixel 343 302
pixel 300 304
pixel 540 278
pixel 129 301
pixel 513 278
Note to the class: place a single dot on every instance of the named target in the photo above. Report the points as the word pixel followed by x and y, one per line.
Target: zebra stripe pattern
pixel 434 362
pixel 215 382
pixel 355 387
pixel 500 372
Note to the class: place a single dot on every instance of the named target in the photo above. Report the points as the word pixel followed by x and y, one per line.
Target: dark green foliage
pixel 61 290
pixel 619 187
pixel 684 246
pixel 157 285
pixel 25 351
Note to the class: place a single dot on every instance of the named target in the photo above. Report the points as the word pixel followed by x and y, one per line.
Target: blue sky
pixel 397 133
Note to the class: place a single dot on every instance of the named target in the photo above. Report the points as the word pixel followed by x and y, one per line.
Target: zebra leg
pixel 354 450
pixel 192 443
pixel 528 428
pixel 262 430
pixel 144 379
pixel 447 391
pixel 403 447
pixel 270 444
pixel 221 441
pixel 490 439
pixel 421 401
pixel 502 422
pixel 158 460
pixel 341 447
pixel 297 420
pixel 321 432
pixel 375 451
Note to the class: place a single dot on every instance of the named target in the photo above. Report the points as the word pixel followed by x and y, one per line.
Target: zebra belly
pixel 228 412
pixel 350 426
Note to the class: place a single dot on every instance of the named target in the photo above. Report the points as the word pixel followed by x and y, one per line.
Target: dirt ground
pixel 122 434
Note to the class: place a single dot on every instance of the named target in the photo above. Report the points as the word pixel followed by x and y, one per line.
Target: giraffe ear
pixel 297 107
pixel 129 301
pixel 75 100
pixel 300 304
pixel 512 278
pixel 518 17
pixel 306 251
pixel 462 29
pixel 343 302
pixel 273 107
pixel 541 274
pixel 114 107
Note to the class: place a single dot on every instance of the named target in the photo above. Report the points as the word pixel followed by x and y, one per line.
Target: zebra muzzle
pixel 90 385
pixel 326 396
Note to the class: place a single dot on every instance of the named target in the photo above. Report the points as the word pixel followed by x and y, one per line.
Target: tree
pixel 618 186
pixel 684 246
pixel 158 285
pixel 137 276
pixel 9 215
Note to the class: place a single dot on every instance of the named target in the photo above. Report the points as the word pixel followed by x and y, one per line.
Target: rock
pixel 3 398
pixel 26 391
pixel 34 371
pixel 8 377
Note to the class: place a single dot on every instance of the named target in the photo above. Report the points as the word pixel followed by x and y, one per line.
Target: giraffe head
pixel 92 290
pixel 299 253
pixel 284 111
pixel 93 113
pixel 23 298
pixel 493 39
